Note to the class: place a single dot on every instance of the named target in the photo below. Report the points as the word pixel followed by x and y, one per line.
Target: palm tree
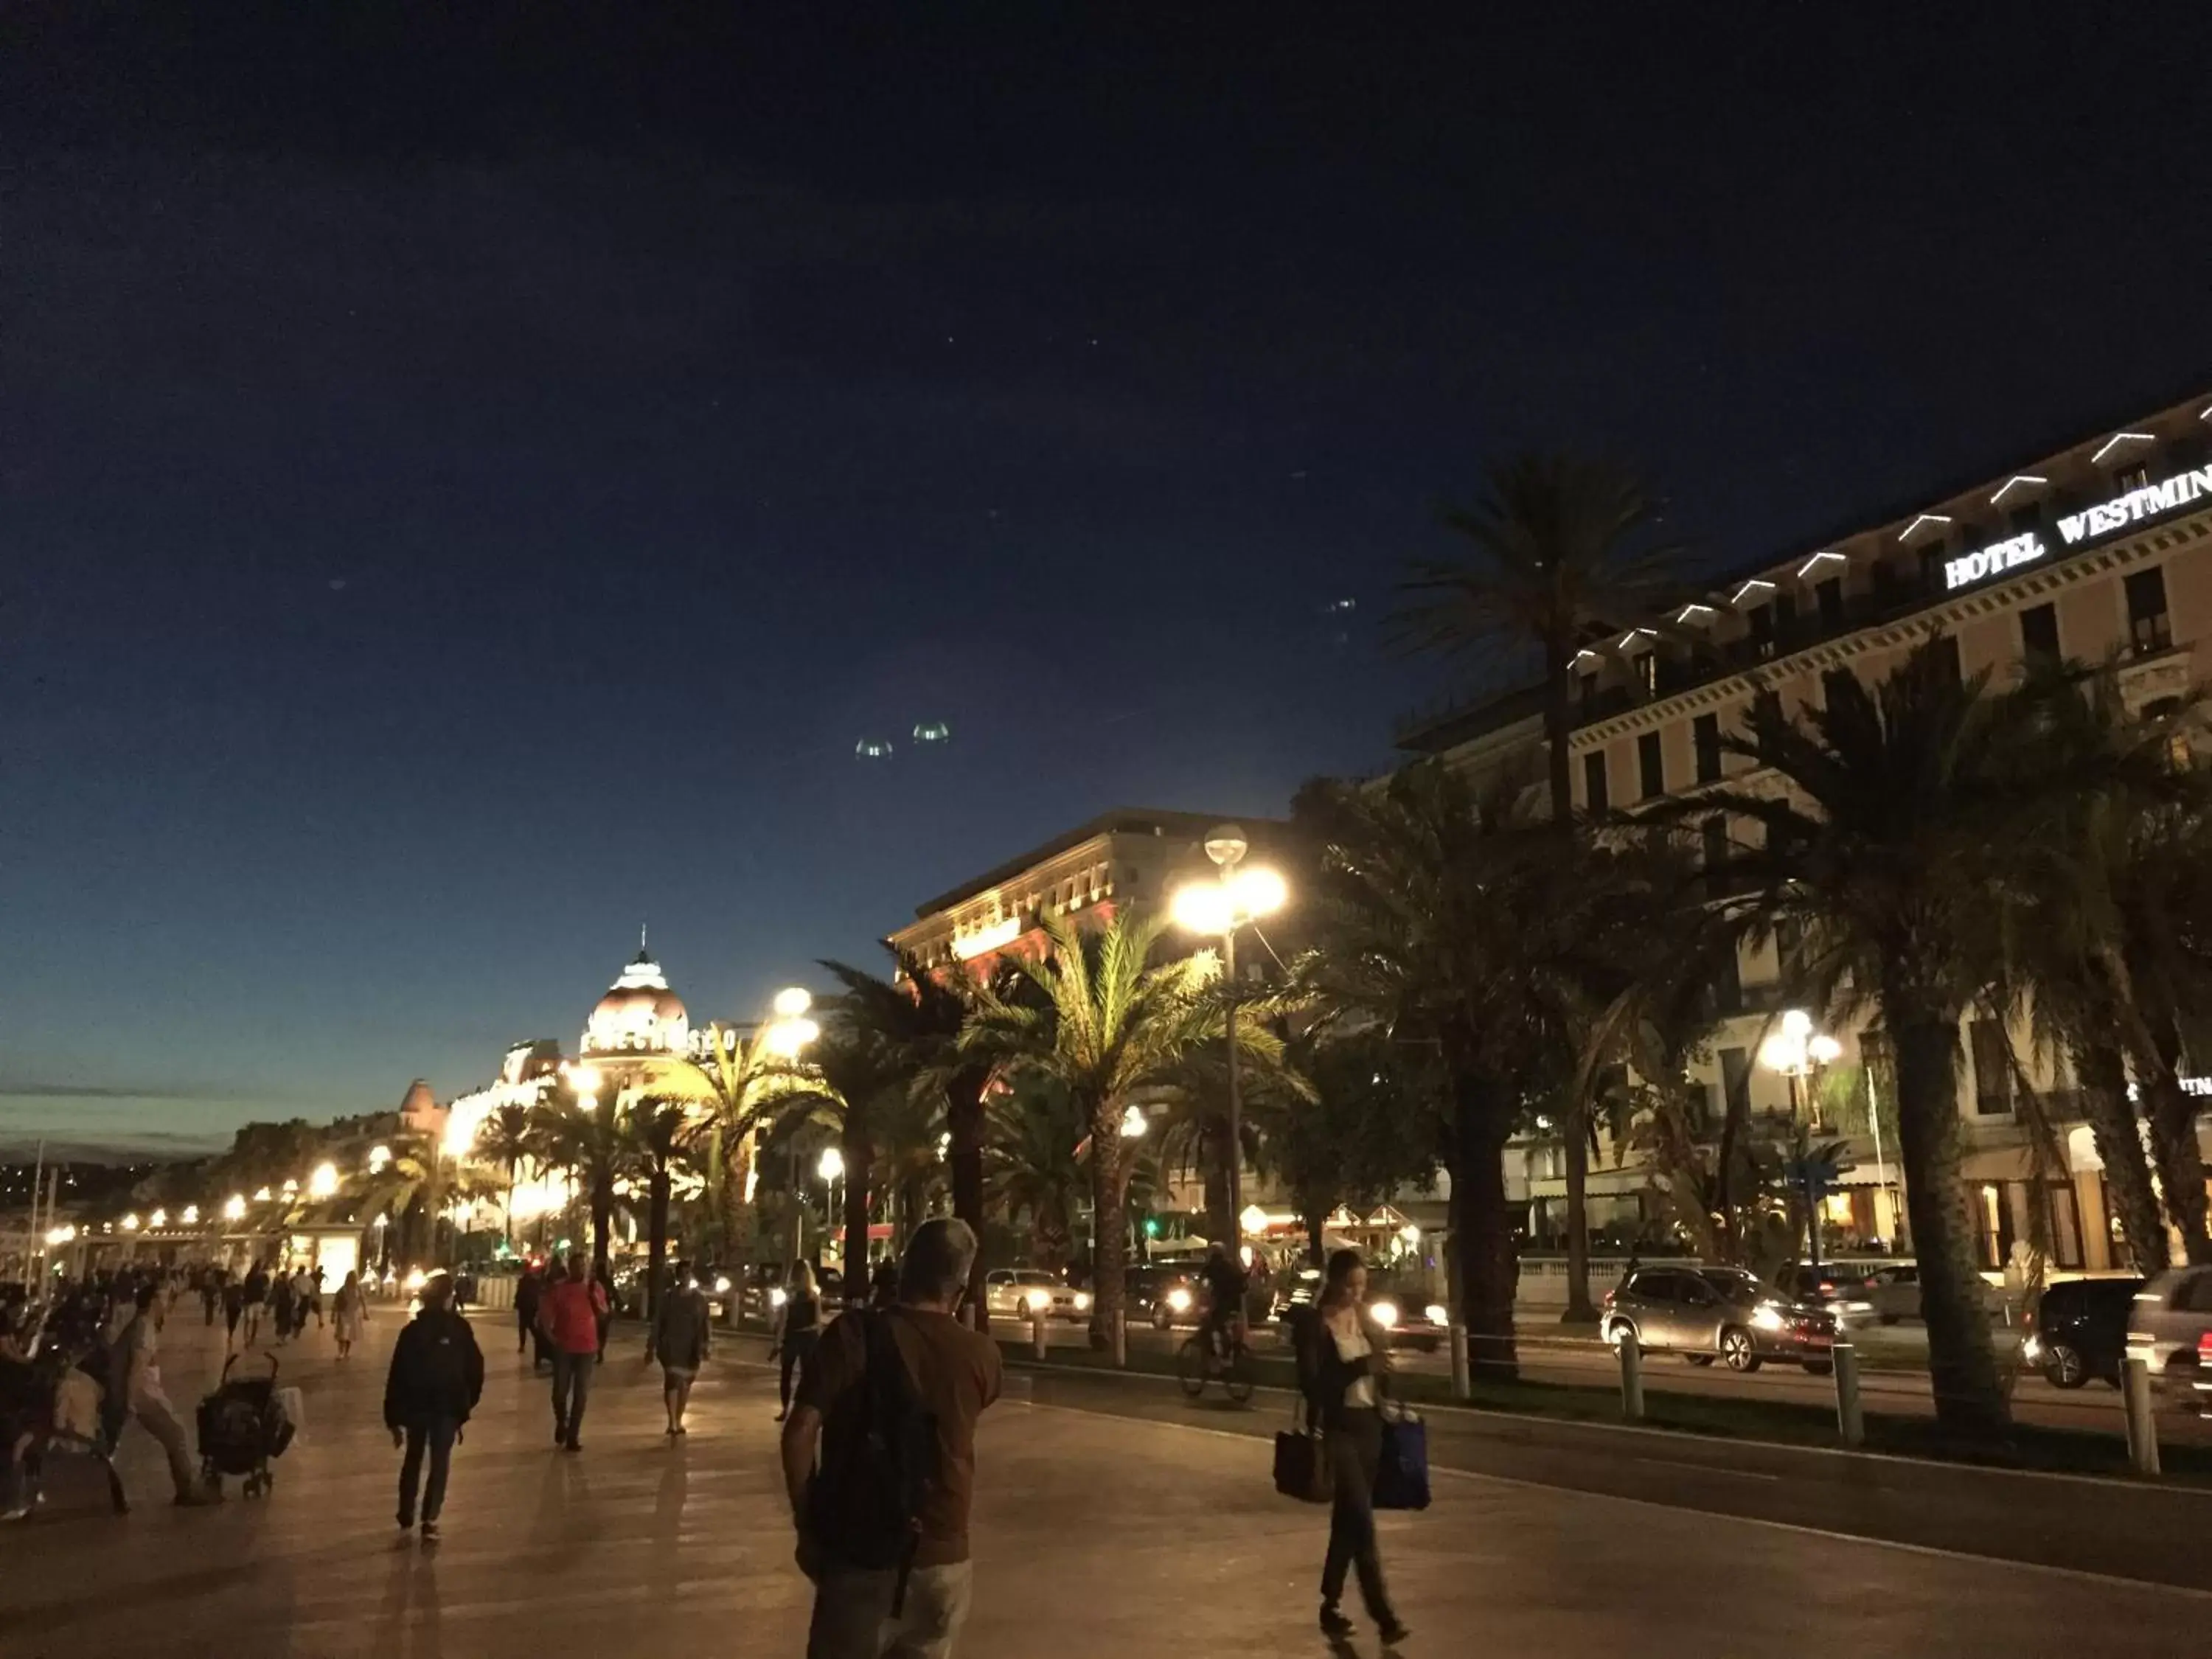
pixel 1032 1172
pixel 737 1082
pixel 658 1132
pixel 585 1137
pixel 1106 1024
pixel 1469 935
pixel 1895 851
pixel 508 1139
pixel 1562 557
pixel 851 1078
pixel 922 1014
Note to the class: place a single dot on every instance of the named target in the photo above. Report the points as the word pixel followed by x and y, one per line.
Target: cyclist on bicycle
pixel 1225 1284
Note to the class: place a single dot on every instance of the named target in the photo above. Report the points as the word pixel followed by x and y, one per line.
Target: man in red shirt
pixel 569 1314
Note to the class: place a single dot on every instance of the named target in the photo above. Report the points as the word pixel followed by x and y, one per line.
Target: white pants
pixel 852 1613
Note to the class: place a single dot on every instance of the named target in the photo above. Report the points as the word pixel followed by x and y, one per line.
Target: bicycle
pixel 1197 1364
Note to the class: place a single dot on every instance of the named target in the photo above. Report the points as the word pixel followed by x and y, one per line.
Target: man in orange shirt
pixel 569 1314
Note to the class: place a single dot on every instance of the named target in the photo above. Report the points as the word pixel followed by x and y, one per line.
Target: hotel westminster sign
pixel 2080 529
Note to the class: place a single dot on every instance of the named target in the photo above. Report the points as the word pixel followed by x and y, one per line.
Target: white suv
pixel 2171 1326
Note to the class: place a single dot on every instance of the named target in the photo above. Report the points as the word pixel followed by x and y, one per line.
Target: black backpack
pixel 878 1461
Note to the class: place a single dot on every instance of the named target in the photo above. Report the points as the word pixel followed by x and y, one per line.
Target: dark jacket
pixel 680 1329
pixel 437 1371
pixel 1324 1374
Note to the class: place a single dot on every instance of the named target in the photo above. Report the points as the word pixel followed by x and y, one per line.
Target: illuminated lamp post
pixel 1797 1052
pixel 1242 895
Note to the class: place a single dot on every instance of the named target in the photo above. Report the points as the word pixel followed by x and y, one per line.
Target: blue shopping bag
pixel 1401 1479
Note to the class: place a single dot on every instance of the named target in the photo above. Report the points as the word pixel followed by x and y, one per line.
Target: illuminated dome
pixel 638 1015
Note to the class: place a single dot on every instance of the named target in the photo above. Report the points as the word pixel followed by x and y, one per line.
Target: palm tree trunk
pixel 1217 1219
pixel 1108 1223
pixel 656 1248
pixel 1485 1267
pixel 2102 1077
pixel 963 1121
pixel 603 1221
pixel 1579 1310
pixel 1315 1213
pixel 859 1155
pixel 1962 1368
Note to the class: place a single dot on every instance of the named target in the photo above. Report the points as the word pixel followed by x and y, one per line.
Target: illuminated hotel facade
pixel 2102 549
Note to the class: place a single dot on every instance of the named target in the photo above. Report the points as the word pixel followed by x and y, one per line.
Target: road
pixel 1113 1519
pixel 1589 1363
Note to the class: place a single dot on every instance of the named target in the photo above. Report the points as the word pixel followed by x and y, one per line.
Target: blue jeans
pixel 572 1388
pixel 436 1433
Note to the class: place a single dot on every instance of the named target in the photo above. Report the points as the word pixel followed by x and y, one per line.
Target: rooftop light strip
pixel 2115 441
pixel 1905 534
pixel 1817 560
pixel 2006 487
pixel 1756 581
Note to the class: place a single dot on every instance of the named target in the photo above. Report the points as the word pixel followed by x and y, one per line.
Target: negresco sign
pixel 2080 529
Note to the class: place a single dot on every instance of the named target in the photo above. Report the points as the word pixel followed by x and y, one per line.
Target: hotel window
pixel 1946 647
pixel 2025 518
pixel 1830 596
pixel 2131 477
pixel 2038 632
pixel 1588 684
pixel 1595 797
pixel 1706 732
pixel 1785 616
pixel 1761 618
pixel 1992 1068
pixel 1646 669
pixel 1650 765
pixel 2149 628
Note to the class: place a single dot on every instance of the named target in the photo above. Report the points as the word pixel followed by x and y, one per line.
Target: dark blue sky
pixel 465 483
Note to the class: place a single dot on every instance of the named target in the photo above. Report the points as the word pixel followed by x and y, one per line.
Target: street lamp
pixel 324 1182
pixel 1134 1124
pixel 378 1157
pixel 585 1080
pixel 234 1207
pixel 831 1168
pixel 262 1196
pixel 1797 1052
pixel 1244 894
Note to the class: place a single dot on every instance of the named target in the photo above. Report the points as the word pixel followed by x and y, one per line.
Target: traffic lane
pixel 2150 1532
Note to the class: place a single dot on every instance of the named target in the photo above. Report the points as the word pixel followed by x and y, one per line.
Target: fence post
pixel 2142 1419
pixel 1631 1378
pixel 1037 1332
pixel 1850 1420
pixel 1120 1340
pixel 1462 1379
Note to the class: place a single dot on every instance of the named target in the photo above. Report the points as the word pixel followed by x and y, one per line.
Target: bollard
pixel 2142 1419
pixel 1037 1333
pixel 1121 1341
pixel 1850 1420
pixel 1462 1379
pixel 1631 1378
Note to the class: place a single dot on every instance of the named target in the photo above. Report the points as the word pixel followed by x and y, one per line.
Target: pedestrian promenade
pixel 1096 1536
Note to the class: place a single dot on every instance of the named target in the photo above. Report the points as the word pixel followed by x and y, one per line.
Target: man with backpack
pixel 890 1401
pixel 434 1382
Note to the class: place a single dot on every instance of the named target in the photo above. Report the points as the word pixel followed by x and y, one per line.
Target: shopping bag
pixel 1401 1478
pixel 1302 1466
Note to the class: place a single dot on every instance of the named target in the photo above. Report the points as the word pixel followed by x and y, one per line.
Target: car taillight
pixel 2204 1349
pixel 1609 1295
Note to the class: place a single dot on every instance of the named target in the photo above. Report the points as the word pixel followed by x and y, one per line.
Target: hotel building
pixel 2103 548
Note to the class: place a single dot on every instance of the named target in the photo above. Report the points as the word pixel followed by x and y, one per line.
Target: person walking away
pixel 680 1341
pixel 890 1585
pixel 254 1296
pixel 798 1327
pixel 303 1298
pixel 233 1307
pixel 349 1314
pixel 529 1291
pixel 569 1315
pixel 135 1376
pixel 315 1296
pixel 280 1304
pixel 1343 1359
pixel 434 1382
pixel 883 1286
pixel 210 1293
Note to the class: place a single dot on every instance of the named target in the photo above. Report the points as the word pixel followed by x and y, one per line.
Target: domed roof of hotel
pixel 639 1011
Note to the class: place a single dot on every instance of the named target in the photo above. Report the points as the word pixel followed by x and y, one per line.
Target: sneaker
pixel 430 1532
pixel 1393 1633
pixel 1334 1623
pixel 572 1445
pixel 560 1435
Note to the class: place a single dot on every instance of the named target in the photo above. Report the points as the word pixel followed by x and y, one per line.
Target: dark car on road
pixel 2080 1330
pixel 1705 1314
pixel 1403 1309
pixel 1165 1294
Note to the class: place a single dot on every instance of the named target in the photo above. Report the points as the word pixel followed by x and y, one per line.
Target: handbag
pixel 1301 1468
pixel 1402 1478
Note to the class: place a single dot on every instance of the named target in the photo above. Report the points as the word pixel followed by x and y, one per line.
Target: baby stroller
pixel 242 1428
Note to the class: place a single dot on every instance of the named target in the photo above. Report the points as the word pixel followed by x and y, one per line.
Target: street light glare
pixel 234 1207
pixel 832 1166
pixel 1134 1124
pixel 791 1002
pixel 1259 890
pixel 1796 1022
pixel 1201 907
pixel 1824 1049
pixel 324 1182
pixel 585 1080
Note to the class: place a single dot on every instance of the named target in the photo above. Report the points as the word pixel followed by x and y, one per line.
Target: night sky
pixel 467 483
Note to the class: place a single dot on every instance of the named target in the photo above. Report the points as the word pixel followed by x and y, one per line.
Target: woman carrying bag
pixel 1343 1361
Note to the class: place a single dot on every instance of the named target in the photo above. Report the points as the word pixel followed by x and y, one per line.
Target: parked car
pixel 1843 1293
pixel 2080 1330
pixel 760 1293
pixel 1023 1293
pixel 1724 1313
pixel 2170 1325
pixel 1894 1290
pixel 1166 1293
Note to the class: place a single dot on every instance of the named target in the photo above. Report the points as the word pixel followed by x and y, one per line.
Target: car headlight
pixel 1438 1314
pixel 1179 1300
pixel 777 1298
pixel 1038 1300
pixel 1769 1319
pixel 1384 1314
pixel 2032 1350
pixel 722 1285
pixel 1082 1301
